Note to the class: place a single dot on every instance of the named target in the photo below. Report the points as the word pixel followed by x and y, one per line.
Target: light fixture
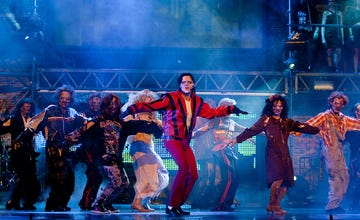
pixel 291 63
pixel 323 85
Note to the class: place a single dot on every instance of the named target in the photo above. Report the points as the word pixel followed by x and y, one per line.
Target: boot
pixel 146 204
pixel 274 192
pixel 282 193
pixel 136 204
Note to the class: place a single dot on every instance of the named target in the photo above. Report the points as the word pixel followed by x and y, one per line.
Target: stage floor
pixel 125 214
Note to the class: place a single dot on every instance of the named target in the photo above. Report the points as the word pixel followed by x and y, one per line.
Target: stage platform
pixel 196 214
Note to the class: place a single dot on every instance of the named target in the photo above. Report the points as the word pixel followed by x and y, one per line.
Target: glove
pixel 237 111
pixel 127 112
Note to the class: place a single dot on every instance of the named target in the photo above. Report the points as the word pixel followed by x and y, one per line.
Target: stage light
pixel 323 85
pixel 291 63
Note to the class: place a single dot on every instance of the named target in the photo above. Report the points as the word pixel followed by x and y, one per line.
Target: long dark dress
pixel 277 155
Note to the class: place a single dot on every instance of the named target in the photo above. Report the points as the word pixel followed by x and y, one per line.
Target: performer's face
pixel 336 105
pixel 64 99
pixel 113 107
pixel 186 85
pixel 95 104
pixel 25 109
pixel 357 112
pixel 277 108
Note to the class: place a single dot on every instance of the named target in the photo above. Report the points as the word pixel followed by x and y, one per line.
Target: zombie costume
pixel 23 163
pixel 279 168
pixel 60 175
pixel 226 166
pixel 332 131
pixel 87 154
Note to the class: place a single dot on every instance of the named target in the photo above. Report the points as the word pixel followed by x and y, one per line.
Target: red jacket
pixel 173 110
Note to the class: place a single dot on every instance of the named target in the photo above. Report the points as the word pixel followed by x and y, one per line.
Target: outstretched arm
pixel 134 126
pixel 256 129
pixel 305 128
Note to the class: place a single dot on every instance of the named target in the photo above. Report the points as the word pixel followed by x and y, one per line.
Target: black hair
pixel 18 106
pixel 179 79
pixel 269 103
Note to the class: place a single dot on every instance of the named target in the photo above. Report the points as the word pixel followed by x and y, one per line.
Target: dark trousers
pixel 94 180
pixel 227 177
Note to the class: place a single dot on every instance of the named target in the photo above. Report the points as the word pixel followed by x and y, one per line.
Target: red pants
pixel 187 173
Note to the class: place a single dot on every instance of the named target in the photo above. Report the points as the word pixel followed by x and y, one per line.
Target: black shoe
pixel 337 210
pixel 48 208
pixel 12 205
pixel 173 211
pixel 82 205
pixel 111 208
pixel 85 208
pixel 98 208
pixel 182 212
pixel 66 208
pixel 28 206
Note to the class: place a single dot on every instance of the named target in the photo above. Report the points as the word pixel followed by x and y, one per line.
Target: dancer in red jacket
pixel 180 109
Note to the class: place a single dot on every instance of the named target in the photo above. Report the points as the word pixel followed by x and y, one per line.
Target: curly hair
pixel 339 95
pixel 271 101
pixel 66 88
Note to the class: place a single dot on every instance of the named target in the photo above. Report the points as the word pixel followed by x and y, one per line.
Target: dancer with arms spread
pixel 180 110
pixel 277 127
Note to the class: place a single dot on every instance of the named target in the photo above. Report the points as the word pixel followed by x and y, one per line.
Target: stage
pixel 126 213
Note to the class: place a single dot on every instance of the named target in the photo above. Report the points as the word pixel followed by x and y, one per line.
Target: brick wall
pixel 305 151
pixel 13 88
